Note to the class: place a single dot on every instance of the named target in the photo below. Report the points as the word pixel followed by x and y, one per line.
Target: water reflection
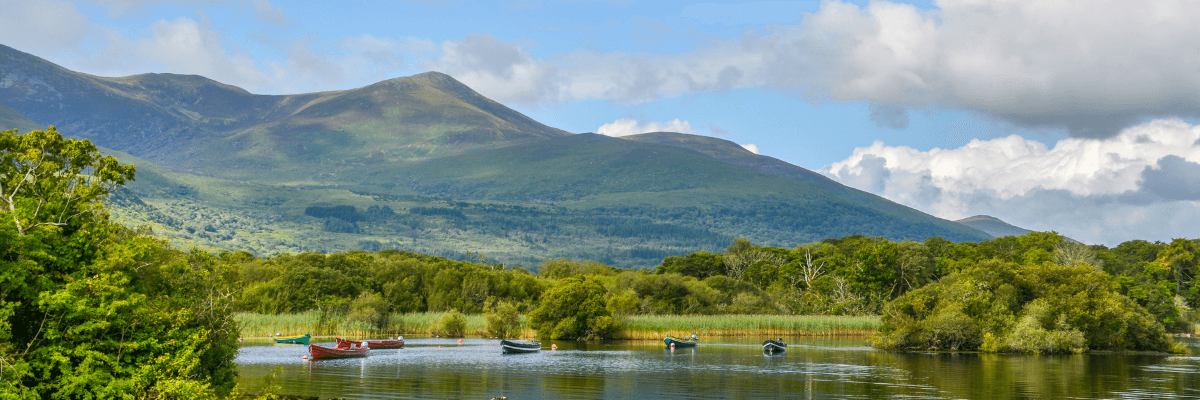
pixel 728 369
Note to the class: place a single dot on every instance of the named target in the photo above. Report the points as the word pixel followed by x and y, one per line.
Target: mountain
pixel 188 122
pixel 425 163
pixel 993 226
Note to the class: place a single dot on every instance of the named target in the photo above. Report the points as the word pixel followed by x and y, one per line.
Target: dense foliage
pixel 853 275
pixel 1035 307
pixel 91 309
pixel 575 308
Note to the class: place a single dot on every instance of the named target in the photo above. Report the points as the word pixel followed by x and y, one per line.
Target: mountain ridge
pixel 461 172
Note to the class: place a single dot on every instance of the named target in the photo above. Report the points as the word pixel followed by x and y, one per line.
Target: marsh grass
pixel 656 326
pixel 636 327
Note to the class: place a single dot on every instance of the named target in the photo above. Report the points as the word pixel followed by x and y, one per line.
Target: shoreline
pixel 637 327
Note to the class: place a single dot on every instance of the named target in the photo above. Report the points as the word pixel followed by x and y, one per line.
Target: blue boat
pixel 671 340
pixel 296 339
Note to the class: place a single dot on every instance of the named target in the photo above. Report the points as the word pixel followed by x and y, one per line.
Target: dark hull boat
pixel 669 340
pixel 316 352
pixel 511 347
pixel 774 346
pixel 296 339
pixel 373 344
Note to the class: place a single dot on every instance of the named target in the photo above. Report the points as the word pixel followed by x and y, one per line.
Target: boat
pixel 316 352
pixel 294 339
pixel 677 342
pixel 511 347
pixel 373 344
pixel 771 346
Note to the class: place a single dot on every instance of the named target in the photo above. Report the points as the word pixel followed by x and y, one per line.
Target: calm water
pixel 718 369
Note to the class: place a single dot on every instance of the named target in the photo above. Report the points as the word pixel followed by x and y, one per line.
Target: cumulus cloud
pixel 48 26
pixel 628 126
pixel 753 148
pixel 500 70
pixel 1091 67
pixel 1097 190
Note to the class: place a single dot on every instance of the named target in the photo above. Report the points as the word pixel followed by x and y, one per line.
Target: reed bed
pixel 638 327
pixel 656 326
pixel 413 324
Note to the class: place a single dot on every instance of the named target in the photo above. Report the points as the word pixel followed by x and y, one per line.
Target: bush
pixel 575 308
pixel 503 320
pixel 369 308
pixel 451 324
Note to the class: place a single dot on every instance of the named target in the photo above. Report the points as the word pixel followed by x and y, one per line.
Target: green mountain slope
pixel 13 119
pixel 594 171
pixel 194 123
pixel 424 163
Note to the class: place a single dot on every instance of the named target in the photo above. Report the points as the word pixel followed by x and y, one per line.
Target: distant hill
pixel 993 226
pixel 428 164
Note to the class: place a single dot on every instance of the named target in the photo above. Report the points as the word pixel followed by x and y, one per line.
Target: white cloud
pixel 1091 189
pixel 1093 67
pixel 499 70
pixel 628 126
pixel 753 148
pixel 48 27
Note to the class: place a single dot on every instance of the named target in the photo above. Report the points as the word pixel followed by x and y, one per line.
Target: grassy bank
pixel 634 327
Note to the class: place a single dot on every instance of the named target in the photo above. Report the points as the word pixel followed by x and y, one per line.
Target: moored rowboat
pixel 774 346
pixel 373 344
pixel 294 339
pixel 511 347
pixel 316 352
pixel 671 340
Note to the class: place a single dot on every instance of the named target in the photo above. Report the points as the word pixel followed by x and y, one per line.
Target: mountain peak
pixel 993 226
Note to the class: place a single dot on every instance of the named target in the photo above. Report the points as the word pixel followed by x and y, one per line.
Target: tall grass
pixel 413 324
pixel 634 327
pixel 656 326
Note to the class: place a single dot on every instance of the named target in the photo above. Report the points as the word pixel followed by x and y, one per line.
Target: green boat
pixel 295 339
pixel 671 340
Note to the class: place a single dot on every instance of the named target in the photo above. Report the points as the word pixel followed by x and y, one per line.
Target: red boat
pixel 316 352
pixel 374 344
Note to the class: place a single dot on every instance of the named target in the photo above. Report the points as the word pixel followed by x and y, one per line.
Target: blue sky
pixel 915 101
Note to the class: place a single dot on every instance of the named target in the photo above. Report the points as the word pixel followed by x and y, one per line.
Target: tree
pixel 503 320
pixel 89 308
pixel 48 180
pixel 575 308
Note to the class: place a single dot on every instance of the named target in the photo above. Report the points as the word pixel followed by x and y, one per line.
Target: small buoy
pixel 553 346
pixel 672 346
pixel 460 341
pixel 439 347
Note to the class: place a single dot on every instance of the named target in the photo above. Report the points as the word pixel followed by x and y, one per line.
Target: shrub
pixel 369 308
pixel 451 324
pixel 503 320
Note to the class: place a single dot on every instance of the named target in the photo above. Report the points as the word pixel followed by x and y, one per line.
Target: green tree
pixel 451 324
pixel 91 309
pixel 503 320
pixel 574 308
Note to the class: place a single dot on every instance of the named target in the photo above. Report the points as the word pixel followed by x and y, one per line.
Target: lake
pixel 812 368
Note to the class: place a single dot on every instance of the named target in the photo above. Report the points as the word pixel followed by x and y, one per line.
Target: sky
pixel 1073 116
